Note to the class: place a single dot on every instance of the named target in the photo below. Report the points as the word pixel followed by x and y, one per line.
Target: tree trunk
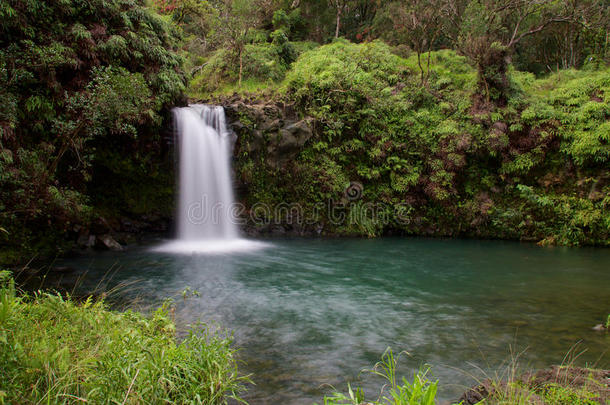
pixel 338 23
pixel 241 65
pixel 428 67
pixel 421 69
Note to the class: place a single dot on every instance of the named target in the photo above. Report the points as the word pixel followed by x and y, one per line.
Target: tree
pixel 340 7
pixel 489 30
pixel 567 45
pixel 79 82
pixel 418 24
pixel 234 20
pixel 359 21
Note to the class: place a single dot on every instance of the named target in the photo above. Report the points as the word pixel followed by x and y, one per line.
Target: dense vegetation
pixel 84 86
pixel 484 118
pixel 435 160
pixel 481 118
pixel 55 350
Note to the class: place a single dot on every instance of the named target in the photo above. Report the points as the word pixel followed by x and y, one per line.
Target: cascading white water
pixel 205 221
pixel 206 195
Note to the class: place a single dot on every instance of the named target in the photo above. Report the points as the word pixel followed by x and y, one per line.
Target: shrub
pixel 436 152
pixel 263 62
pixel 578 104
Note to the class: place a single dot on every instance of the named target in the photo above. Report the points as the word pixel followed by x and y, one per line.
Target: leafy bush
pixel 55 350
pixel 265 63
pixel 376 125
pixel 578 105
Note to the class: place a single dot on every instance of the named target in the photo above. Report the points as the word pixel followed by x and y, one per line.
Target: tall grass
pixel 420 391
pixel 565 384
pixel 55 350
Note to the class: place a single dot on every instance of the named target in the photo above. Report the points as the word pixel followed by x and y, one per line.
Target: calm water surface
pixel 311 312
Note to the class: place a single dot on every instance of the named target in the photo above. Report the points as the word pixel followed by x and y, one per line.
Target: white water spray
pixel 205 218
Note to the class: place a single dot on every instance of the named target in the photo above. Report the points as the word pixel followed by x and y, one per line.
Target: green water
pixel 310 312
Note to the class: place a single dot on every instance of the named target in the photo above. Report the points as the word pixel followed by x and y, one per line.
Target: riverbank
pixel 56 350
pixel 557 385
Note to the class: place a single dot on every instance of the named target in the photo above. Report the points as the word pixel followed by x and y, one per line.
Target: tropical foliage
pixel 82 83
pixel 433 160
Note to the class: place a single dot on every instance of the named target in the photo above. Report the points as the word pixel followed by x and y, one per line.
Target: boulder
pixel 291 140
pixel 270 125
pixel 85 240
pixel 301 130
pixel 109 242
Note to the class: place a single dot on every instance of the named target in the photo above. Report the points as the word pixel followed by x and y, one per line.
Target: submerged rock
pixel 477 393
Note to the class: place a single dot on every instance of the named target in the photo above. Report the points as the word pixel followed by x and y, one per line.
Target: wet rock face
pixel 271 130
pixel 269 139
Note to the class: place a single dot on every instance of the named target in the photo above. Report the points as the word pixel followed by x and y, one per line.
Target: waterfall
pixel 205 191
pixel 205 212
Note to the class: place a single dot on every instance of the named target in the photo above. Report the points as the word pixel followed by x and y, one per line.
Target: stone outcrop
pixel 269 129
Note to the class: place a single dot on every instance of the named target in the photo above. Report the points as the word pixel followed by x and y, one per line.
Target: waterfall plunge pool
pixel 309 312
pixel 210 246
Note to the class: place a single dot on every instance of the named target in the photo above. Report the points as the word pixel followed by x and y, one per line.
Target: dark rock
pixel 270 126
pixel 271 111
pixel 257 141
pixel 278 230
pixel 301 130
pixel 477 393
pixel 289 143
pixel 85 240
pixel 100 226
pixel 125 238
pixel 109 242
pixel 286 142
pixel 237 126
